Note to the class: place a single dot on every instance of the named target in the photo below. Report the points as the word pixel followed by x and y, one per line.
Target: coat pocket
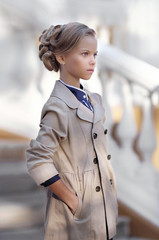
pixel 77 213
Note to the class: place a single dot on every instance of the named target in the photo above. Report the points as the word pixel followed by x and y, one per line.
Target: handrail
pixel 134 70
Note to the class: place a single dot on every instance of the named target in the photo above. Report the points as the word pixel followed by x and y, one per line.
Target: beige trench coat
pixel 72 143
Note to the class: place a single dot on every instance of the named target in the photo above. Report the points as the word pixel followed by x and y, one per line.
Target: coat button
pixel 109 157
pixel 95 135
pixel 95 160
pixel 97 189
pixel 111 181
pixel 105 131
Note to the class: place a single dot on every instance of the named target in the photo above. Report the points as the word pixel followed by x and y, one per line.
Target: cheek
pixel 75 62
pixel 72 62
pixel 80 62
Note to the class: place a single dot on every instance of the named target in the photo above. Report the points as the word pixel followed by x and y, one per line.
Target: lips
pixel 90 70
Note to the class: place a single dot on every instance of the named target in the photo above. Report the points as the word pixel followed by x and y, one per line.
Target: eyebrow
pixel 85 49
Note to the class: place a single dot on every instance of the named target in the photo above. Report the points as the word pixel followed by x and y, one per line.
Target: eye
pixel 95 55
pixel 85 54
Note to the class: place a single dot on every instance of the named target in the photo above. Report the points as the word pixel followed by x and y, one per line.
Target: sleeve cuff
pixel 43 172
pixel 50 181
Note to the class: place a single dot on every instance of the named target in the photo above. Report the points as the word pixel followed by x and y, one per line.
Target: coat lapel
pixel 62 92
pixel 84 113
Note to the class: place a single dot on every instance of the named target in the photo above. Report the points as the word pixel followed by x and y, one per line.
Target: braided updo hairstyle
pixel 60 39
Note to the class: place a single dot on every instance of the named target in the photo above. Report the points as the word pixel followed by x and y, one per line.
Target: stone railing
pixel 130 90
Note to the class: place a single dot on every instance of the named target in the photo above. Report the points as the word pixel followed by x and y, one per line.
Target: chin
pixel 86 78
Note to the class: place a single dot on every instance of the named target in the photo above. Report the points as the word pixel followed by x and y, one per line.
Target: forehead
pixel 87 42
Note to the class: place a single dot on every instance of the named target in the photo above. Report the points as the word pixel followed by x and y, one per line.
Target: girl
pixel 69 155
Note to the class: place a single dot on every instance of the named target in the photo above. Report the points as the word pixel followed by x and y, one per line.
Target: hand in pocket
pixel 74 205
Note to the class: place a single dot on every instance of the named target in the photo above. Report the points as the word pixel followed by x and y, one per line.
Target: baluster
pixel 146 145
pixel 155 100
pixel 147 178
pixel 126 132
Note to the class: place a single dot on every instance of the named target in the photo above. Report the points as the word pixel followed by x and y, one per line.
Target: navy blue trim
pixel 50 181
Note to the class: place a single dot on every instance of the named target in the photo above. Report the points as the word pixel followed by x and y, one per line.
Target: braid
pixel 47 47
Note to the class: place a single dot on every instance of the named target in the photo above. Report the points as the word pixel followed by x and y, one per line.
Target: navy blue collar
pixel 80 94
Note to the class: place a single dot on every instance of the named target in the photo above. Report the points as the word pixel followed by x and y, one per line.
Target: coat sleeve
pixel 53 130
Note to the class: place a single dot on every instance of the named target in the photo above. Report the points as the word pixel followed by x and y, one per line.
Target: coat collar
pixel 62 92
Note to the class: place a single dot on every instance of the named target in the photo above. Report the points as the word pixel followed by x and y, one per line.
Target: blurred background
pixel 127 76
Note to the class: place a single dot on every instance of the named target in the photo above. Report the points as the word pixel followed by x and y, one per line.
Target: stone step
pixel 25 210
pixel 123 226
pixel 24 234
pixel 14 178
pixel 123 230
pixel 12 150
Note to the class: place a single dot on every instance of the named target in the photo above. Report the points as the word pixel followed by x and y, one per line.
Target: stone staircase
pixel 22 203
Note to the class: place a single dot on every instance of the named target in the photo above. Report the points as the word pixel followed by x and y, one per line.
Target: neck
pixel 70 81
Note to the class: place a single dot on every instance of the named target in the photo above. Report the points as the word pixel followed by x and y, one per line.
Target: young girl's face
pixel 80 62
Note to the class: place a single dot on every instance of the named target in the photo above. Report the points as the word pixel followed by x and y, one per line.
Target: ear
pixel 60 59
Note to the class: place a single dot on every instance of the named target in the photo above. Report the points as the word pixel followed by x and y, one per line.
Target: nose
pixel 92 60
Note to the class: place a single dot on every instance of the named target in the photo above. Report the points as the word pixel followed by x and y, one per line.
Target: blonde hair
pixel 60 39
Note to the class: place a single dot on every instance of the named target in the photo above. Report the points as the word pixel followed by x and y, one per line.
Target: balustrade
pixel 137 176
